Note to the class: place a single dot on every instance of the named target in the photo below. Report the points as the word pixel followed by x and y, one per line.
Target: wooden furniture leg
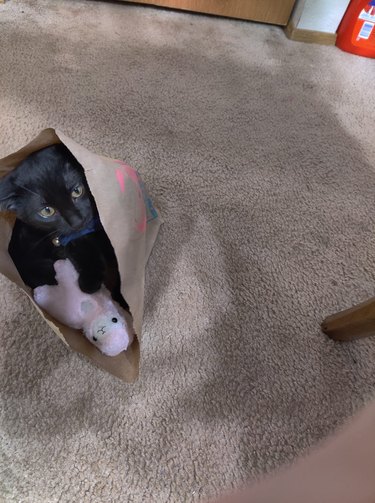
pixel 353 323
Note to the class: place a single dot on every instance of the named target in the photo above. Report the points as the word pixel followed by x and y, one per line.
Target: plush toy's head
pixel 106 329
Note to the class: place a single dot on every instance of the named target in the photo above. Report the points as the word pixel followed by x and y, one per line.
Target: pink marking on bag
pixel 132 174
pixel 141 227
pixel 120 179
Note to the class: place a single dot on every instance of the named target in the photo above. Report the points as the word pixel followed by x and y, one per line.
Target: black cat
pixel 57 218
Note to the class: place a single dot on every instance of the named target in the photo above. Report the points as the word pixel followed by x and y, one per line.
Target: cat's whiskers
pixel 50 234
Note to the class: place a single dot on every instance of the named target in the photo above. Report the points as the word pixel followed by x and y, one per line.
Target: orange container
pixel 356 33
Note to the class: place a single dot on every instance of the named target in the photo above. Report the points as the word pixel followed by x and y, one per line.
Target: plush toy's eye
pixel 114 320
pixel 47 212
pixel 77 191
pixel 94 339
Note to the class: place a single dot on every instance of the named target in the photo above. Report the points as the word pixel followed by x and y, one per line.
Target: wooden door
pixel 265 11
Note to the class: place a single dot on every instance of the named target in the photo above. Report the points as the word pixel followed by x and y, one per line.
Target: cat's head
pixel 49 191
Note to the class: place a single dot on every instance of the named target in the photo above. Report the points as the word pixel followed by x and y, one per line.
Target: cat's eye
pixel 77 191
pixel 47 212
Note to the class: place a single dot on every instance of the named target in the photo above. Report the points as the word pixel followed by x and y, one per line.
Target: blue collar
pixel 64 239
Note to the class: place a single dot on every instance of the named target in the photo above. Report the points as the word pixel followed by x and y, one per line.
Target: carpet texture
pixel 259 152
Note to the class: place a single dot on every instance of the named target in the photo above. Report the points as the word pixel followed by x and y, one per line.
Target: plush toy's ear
pixel 87 306
pixel 8 198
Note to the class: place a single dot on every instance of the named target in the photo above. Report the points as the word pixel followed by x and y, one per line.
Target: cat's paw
pixel 89 284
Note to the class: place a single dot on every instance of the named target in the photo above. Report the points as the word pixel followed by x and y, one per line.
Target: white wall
pixel 319 15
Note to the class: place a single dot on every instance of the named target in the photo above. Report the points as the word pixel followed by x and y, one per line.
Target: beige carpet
pixel 259 152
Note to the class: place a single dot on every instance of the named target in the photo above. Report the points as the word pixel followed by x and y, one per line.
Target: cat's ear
pixel 8 197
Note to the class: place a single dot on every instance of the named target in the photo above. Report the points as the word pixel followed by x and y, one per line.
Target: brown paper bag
pixel 131 223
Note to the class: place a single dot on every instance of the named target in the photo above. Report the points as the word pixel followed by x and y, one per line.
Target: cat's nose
pixel 77 226
pixel 75 222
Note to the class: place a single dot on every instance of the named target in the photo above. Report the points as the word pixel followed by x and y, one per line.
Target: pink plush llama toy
pixel 103 321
